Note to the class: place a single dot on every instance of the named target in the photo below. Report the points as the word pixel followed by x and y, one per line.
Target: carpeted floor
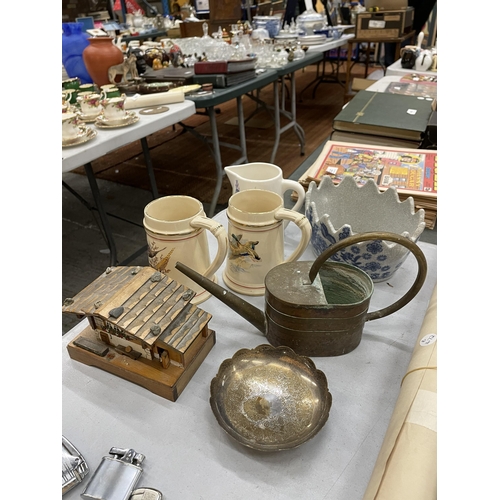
pixel 183 164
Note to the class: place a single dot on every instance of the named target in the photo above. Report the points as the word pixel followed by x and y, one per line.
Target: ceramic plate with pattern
pixel 86 135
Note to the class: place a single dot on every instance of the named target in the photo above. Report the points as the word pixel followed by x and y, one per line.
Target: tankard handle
pixel 287 185
pixel 220 234
pixel 379 235
pixel 302 222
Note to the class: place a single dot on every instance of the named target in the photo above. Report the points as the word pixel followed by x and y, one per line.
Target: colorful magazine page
pixel 411 171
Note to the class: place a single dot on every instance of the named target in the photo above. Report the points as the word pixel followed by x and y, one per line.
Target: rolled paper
pixel 143 101
pixel 406 466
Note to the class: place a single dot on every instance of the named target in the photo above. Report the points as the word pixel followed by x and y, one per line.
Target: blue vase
pixel 74 42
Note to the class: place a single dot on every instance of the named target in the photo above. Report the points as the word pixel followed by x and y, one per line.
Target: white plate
pixel 84 136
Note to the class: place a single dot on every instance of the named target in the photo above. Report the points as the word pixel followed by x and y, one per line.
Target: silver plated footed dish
pixel 270 398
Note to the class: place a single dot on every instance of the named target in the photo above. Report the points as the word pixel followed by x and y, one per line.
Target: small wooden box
pixel 384 24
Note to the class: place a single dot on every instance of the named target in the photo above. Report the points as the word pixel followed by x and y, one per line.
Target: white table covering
pixel 189 456
pixel 396 69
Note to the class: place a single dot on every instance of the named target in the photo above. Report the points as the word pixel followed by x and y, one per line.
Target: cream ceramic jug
pixel 176 231
pixel 256 239
pixel 264 176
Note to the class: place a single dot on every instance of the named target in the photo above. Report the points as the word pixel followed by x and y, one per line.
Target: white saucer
pixel 130 119
pixel 89 118
pixel 84 136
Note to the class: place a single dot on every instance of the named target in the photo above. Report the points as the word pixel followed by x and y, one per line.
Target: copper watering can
pixel 317 308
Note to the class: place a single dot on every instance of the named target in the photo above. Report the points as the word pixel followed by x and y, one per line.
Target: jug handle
pixel 305 229
pixel 220 234
pixel 288 184
pixel 379 235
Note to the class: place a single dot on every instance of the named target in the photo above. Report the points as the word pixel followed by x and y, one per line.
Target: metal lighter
pixel 116 476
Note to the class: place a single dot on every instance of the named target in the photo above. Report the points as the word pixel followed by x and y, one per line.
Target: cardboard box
pixel 384 24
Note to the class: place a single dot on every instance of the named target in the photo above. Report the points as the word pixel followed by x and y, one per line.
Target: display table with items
pixel 209 442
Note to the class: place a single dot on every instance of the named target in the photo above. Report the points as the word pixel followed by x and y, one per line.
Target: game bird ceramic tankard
pixel 256 238
pixel 176 228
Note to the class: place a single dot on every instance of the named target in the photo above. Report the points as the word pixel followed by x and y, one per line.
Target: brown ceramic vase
pixel 99 56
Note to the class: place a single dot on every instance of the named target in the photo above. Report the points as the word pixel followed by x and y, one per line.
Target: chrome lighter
pixel 116 476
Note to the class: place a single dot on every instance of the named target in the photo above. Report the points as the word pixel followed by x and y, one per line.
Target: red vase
pixel 99 56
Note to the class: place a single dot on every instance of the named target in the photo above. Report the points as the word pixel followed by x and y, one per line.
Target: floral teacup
pixel 71 126
pixel 114 109
pixel 90 104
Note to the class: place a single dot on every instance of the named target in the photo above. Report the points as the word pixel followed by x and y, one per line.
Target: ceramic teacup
pixel 87 87
pixel 71 83
pixel 70 95
pixel 90 104
pixel 114 109
pixel 108 92
pixel 71 126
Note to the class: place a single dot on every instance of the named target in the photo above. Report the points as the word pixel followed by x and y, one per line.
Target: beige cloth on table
pixel 406 467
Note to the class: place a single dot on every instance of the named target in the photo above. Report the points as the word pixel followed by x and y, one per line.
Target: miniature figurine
pixel 128 66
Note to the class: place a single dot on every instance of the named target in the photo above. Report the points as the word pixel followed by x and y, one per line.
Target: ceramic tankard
pixel 256 238
pixel 176 231
pixel 264 176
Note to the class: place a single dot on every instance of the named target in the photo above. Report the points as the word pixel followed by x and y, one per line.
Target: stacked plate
pixel 312 39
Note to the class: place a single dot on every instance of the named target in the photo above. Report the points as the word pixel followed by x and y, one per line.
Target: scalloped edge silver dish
pixel 270 398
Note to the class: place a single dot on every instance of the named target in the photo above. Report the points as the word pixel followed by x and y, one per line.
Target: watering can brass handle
pixel 379 235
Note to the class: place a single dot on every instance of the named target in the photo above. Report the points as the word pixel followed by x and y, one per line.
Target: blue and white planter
pixel 354 210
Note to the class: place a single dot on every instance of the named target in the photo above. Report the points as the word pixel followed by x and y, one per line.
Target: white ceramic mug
pixel 264 176
pixel 114 109
pixel 71 126
pixel 90 104
pixel 176 231
pixel 256 238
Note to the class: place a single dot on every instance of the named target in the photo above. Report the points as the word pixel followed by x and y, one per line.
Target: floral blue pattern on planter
pixel 356 210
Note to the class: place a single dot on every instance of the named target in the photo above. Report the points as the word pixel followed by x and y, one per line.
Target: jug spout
pixel 247 311
pixel 233 176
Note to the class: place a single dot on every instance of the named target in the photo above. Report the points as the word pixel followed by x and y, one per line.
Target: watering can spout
pixel 247 311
